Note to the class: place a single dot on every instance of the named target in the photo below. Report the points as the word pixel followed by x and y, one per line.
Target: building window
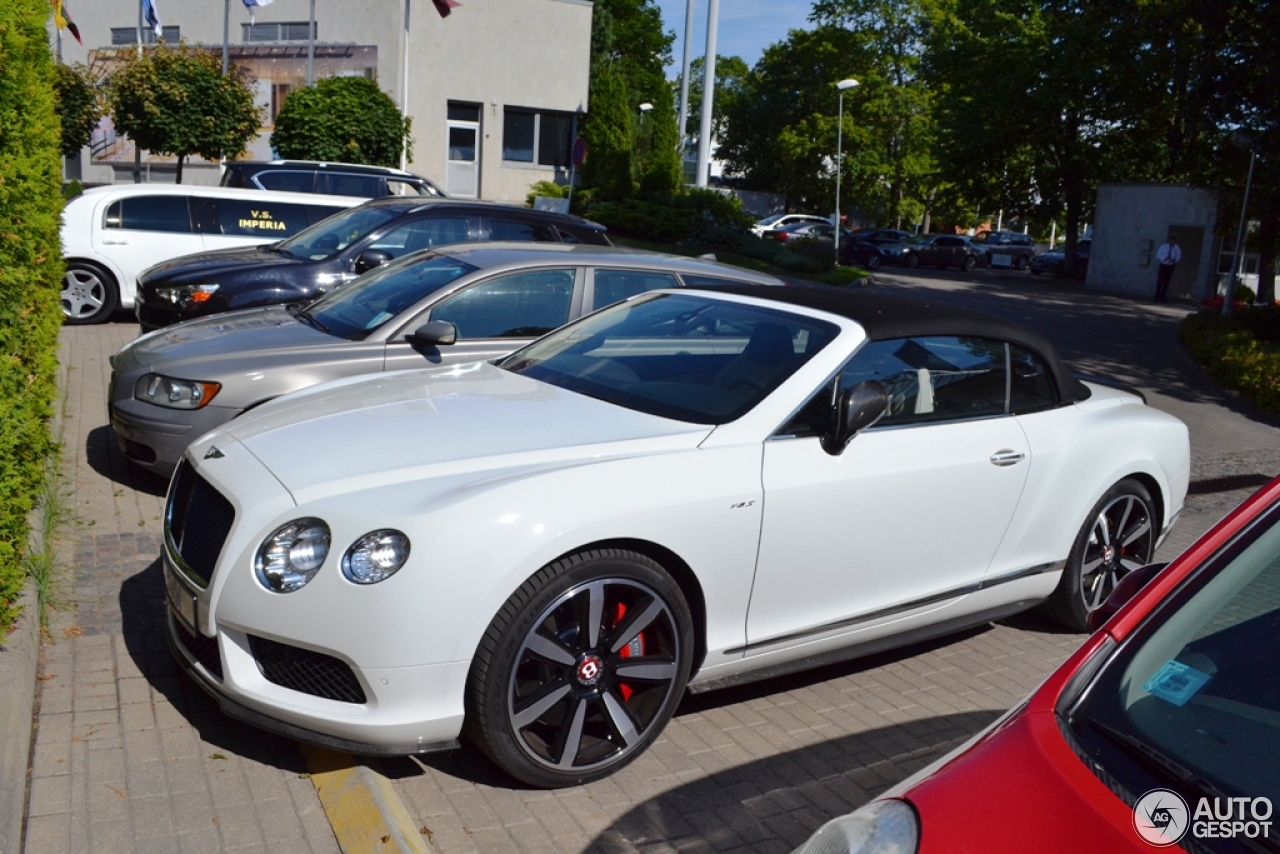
pixel 287 31
pixel 279 91
pixel 129 35
pixel 540 137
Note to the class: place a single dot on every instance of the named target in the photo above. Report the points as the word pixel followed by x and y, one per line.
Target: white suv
pixel 110 235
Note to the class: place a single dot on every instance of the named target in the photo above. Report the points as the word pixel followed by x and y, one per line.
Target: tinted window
pixel 522 305
pixel 404 187
pixel 555 132
pixel 1030 386
pixel 949 242
pixel 933 379
pixel 616 285
pixel 464 112
pixel 330 236
pixel 357 309
pixel 337 184
pixel 517 136
pixel 506 229
pixel 151 213
pixel 422 234
pixel 316 213
pixel 258 219
pixel 289 182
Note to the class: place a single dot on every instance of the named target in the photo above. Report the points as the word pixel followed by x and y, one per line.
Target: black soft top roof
pixel 885 317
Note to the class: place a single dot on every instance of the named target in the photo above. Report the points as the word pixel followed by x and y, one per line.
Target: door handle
pixel 1007 458
pixel 115 243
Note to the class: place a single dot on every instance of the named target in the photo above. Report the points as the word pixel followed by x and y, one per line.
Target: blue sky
pixel 747 27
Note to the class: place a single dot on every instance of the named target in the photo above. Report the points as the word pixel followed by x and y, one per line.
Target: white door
pixel 137 232
pixel 462 169
pixel 911 511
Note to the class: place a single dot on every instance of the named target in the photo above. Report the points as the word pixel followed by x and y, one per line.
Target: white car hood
pixel 387 428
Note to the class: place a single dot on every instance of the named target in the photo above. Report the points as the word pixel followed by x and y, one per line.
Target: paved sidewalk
pixel 130 756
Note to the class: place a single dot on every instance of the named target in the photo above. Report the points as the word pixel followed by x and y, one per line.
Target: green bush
pixel 342 120
pixel 30 274
pixel 1241 351
pixel 607 131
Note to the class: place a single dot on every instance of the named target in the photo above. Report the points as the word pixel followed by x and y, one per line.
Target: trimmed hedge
pixel 1242 351
pixel 30 275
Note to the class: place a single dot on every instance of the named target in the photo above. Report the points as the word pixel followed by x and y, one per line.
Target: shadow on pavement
pixel 774 804
pixel 102 452
pixel 143 615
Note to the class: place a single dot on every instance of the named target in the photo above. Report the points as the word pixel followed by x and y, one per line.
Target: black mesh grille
pixel 202 649
pixel 199 520
pixel 137 451
pixel 304 670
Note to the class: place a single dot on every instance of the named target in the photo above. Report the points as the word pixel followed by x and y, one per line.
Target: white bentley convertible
pixel 688 488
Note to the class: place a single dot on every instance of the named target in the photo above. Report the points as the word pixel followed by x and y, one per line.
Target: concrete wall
pixel 1130 223
pixel 533 54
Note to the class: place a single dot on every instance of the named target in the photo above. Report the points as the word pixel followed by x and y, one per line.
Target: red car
pixel 1162 730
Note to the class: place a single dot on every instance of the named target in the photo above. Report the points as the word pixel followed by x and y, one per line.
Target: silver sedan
pixel 446 306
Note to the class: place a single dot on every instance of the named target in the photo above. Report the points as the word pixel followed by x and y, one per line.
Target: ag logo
pixel 1161 817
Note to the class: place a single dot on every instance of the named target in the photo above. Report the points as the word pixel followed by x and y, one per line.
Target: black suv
pixel 337 250
pixel 1016 247
pixel 333 179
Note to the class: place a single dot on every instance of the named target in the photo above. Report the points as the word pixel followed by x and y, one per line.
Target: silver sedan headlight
pixel 186 296
pixel 290 557
pixel 881 827
pixel 375 557
pixel 173 393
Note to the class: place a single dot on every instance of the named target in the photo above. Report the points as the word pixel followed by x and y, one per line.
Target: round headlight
pixel 375 557
pixel 289 558
pixel 881 827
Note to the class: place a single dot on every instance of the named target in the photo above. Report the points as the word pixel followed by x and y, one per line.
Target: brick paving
pixel 130 756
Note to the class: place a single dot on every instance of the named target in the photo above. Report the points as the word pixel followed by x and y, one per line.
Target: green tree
pixel 342 120
pixel 628 36
pixel 30 272
pixel 732 73
pixel 660 170
pixel 607 131
pixel 175 100
pixel 77 104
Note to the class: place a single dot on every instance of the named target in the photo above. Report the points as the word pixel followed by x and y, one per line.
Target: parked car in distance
pixel 690 487
pixel 337 250
pixel 857 253
pixel 1156 719
pixel 169 388
pixel 1054 259
pixel 937 250
pixel 1008 249
pixel 337 179
pixel 778 222
pixel 881 236
pixel 110 235
pixel 802 231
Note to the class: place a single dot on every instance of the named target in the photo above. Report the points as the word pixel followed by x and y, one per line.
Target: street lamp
pixel 646 107
pixel 842 86
pixel 1240 139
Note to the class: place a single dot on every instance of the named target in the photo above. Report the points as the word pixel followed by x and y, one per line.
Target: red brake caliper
pixel 634 649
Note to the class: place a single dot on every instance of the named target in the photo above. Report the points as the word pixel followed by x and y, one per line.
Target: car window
pixel 287 181
pixel 150 213
pixel 403 187
pixel 508 229
pixel 949 241
pixel 933 378
pixel 246 218
pixel 330 236
pixel 316 213
pixel 1031 387
pixel 616 285
pixel 520 305
pixel 358 308
pixel 339 184
pixel 423 234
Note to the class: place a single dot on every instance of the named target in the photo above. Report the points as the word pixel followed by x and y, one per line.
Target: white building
pixel 495 90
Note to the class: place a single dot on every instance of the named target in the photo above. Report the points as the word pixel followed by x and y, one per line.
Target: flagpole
pixel 226 32
pixel 311 45
pixel 137 152
pixel 684 81
pixel 708 94
pixel 404 83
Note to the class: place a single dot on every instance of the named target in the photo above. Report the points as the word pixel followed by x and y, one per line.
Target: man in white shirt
pixel 1169 254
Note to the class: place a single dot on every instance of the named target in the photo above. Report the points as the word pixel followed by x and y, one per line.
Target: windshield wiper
pixel 308 318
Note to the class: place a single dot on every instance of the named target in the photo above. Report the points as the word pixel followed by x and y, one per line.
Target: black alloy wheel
pixel 581 669
pixel 1118 537
pixel 1022 262
pixel 969 264
pixel 873 262
pixel 911 260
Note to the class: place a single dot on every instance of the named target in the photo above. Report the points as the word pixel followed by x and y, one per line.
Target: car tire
pixel 89 294
pixel 1096 563
pixel 1021 263
pixel 569 710
pixel 970 264
pixel 873 263
pixel 911 259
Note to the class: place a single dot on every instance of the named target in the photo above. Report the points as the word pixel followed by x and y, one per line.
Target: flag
pixel 152 17
pixel 62 19
pixel 252 4
pixel 444 7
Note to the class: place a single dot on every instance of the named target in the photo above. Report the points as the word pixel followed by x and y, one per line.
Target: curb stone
pixel 363 808
pixel 19 656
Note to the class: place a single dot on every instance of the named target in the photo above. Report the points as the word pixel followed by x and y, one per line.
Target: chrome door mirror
pixel 1126 588
pixel 856 409
pixel 433 333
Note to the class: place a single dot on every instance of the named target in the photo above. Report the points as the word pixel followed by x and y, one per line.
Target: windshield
pixel 330 236
pixel 681 356
pixel 1187 703
pixel 355 310
pixel 770 220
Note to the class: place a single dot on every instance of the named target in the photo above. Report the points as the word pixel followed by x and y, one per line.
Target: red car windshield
pixel 1191 702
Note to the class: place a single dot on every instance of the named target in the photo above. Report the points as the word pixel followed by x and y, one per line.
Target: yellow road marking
pixel 363 808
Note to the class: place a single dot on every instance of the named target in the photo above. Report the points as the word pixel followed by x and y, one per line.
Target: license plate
pixel 181 601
